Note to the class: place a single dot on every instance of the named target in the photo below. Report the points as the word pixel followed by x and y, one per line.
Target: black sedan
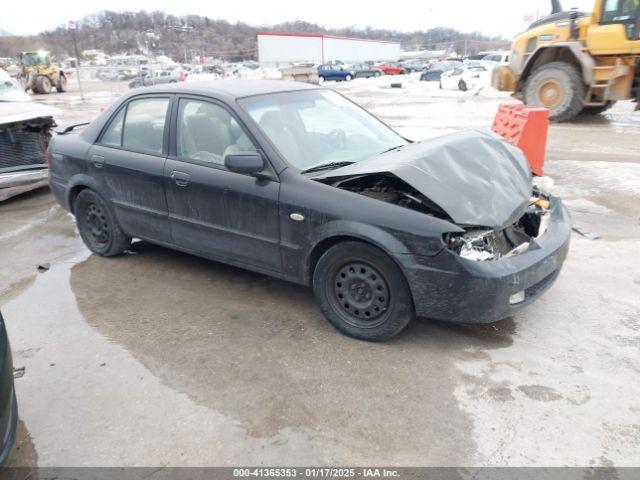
pixel 8 403
pixel 297 182
pixel 432 73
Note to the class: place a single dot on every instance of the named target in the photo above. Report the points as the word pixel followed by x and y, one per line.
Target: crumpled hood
pixel 476 177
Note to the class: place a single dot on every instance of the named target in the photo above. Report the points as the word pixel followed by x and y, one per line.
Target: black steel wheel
pixel 96 221
pixel 97 226
pixel 362 292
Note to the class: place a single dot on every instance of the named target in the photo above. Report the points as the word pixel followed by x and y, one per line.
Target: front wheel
pixel 97 226
pixel 462 85
pixel 362 292
pixel 43 84
pixel 320 80
pixel 557 86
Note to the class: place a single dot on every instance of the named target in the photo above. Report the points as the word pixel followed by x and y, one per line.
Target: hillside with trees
pixel 185 37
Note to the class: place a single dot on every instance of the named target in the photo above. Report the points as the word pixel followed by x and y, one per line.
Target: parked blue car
pixel 335 72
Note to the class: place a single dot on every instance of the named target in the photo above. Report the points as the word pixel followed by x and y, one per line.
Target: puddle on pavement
pixel 239 368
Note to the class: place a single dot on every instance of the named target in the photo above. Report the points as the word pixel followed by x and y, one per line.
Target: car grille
pixel 20 147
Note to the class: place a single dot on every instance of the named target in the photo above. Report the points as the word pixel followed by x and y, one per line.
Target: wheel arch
pixel 351 231
pixel 568 52
pixel 76 185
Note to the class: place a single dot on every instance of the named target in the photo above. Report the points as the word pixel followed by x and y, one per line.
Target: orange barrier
pixel 526 127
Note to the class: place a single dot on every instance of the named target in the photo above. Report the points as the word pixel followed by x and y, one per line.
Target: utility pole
pixel 182 29
pixel 73 25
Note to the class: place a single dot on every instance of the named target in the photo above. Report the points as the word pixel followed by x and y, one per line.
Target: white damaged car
pixel 465 77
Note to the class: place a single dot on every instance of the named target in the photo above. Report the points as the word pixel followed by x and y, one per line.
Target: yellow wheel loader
pixel 575 62
pixel 39 74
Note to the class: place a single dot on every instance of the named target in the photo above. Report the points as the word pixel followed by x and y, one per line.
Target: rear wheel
pixel 462 85
pixel 320 79
pixel 362 292
pixel 597 110
pixel 377 74
pixel 348 78
pixel 43 84
pixel 62 84
pixel 97 225
pixel 557 86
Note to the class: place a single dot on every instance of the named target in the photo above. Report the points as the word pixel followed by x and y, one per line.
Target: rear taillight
pixel 47 156
pixel 183 76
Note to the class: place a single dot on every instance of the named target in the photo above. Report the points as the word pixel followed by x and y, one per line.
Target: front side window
pixel 621 11
pixel 144 125
pixel 207 132
pixel 317 127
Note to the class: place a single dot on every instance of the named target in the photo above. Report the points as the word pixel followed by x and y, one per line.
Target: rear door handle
pixel 180 178
pixel 98 161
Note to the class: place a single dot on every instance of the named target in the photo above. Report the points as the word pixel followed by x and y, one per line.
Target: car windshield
pixel 319 128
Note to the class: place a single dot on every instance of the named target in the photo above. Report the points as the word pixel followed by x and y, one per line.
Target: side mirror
pixel 244 162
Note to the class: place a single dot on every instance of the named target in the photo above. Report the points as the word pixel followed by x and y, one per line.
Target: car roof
pixel 233 89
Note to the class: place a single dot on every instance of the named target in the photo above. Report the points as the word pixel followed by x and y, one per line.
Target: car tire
pixel 348 78
pixel 97 225
pixel 462 85
pixel 557 86
pixel 321 80
pixel 362 292
pixel 440 85
pixel 61 87
pixel 377 74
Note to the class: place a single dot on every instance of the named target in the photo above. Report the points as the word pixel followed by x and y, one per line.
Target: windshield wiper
pixel 392 148
pixel 326 166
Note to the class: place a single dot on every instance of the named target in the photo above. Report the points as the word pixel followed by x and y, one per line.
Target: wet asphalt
pixel 160 358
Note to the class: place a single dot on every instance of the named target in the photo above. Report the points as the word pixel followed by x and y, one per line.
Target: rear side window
pixel 112 136
pixel 144 124
pixel 139 126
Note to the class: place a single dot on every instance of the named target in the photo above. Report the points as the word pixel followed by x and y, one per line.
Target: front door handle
pixel 180 178
pixel 98 161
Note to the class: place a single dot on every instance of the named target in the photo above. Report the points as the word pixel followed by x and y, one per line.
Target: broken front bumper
pixel 17 182
pixel 450 288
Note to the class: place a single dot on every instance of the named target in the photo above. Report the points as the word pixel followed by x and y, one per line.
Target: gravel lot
pixel 159 358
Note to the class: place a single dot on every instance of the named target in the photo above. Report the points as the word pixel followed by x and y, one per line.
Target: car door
pixel 130 155
pixel 446 80
pixel 213 211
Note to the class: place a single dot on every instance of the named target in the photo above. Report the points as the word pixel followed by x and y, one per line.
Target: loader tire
pixel 557 86
pixel 43 84
pixel 62 84
pixel 597 110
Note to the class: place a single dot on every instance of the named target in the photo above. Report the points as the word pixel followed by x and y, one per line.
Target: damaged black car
pixel 296 181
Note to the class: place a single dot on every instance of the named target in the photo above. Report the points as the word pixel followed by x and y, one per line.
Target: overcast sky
pixel 493 17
